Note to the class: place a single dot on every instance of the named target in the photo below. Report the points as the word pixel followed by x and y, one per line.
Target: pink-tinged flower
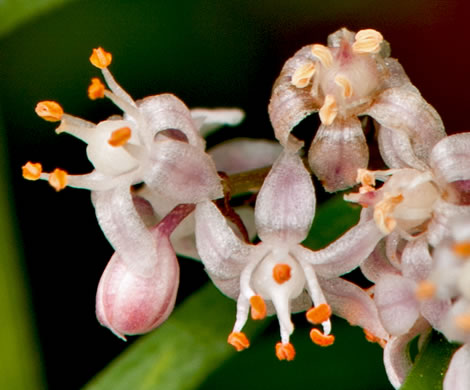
pixel 278 275
pixel 350 77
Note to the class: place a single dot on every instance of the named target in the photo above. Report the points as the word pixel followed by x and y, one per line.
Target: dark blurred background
pixel 208 53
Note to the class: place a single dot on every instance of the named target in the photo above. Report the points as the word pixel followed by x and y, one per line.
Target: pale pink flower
pixel 353 76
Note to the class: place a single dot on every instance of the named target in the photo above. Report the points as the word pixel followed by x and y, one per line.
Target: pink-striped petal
pixel 285 206
pixel 416 260
pixel 377 264
pixel 337 152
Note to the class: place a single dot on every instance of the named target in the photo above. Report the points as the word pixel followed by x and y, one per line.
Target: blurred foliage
pixel 19 356
pixel 15 12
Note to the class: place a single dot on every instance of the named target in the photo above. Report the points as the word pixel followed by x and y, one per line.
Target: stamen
pixel 367 41
pixel 49 111
pixel 323 54
pixel 367 179
pixel 463 322
pixel 319 314
pixel 285 351
pixel 383 210
pixel 372 338
pixel 303 74
pixel 100 58
pixel 345 84
pixel 32 171
pixel 320 339
pixel 258 307
pixel 96 89
pixel 58 179
pixel 462 249
pixel 120 137
pixel 281 273
pixel 425 290
pixel 238 340
pixel 329 110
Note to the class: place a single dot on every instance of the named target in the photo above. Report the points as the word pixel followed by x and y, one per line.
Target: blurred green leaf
pixel 333 218
pixel 182 352
pixel 19 356
pixel 430 364
pixel 15 12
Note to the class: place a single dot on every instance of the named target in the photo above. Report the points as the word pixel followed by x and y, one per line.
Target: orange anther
pixel 120 136
pixel 258 307
pixel 96 89
pixel 285 351
pixel 100 58
pixel 463 322
pixel 320 339
pixel 281 273
pixel 319 314
pixel 238 340
pixel 58 179
pixel 462 249
pixel 49 110
pixel 374 339
pixel 32 171
pixel 425 290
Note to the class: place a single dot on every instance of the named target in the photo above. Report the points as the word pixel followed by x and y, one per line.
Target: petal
pixel 286 202
pixel 377 264
pixel 353 304
pixel 131 302
pixel 397 359
pixel 395 299
pixel 401 109
pixel 182 172
pixel 396 149
pixel 346 253
pixel 124 229
pixel 213 118
pixel 458 373
pixel 224 255
pixel 450 158
pixel 337 152
pixel 244 154
pixel 167 112
pixel 416 260
pixel 289 105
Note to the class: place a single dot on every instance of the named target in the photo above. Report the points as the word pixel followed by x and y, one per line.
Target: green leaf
pixel 20 366
pixel 430 364
pixel 15 12
pixel 333 218
pixel 182 352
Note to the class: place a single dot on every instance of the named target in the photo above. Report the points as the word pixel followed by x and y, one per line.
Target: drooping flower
pixel 353 76
pixel 278 275
pixel 157 142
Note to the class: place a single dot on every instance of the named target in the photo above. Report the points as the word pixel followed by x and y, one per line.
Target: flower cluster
pixel 412 240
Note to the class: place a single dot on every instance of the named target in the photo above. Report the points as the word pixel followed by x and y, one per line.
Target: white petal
pixel 353 304
pixel 244 154
pixel 450 158
pixel 377 264
pixel 182 172
pixel 222 252
pixel 458 375
pixel 286 202
pixel 124 228
pixel 401 109
pixel 167 112
pixel 213 118
pixel 346 253
pixel 416 260
pixel 395 299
